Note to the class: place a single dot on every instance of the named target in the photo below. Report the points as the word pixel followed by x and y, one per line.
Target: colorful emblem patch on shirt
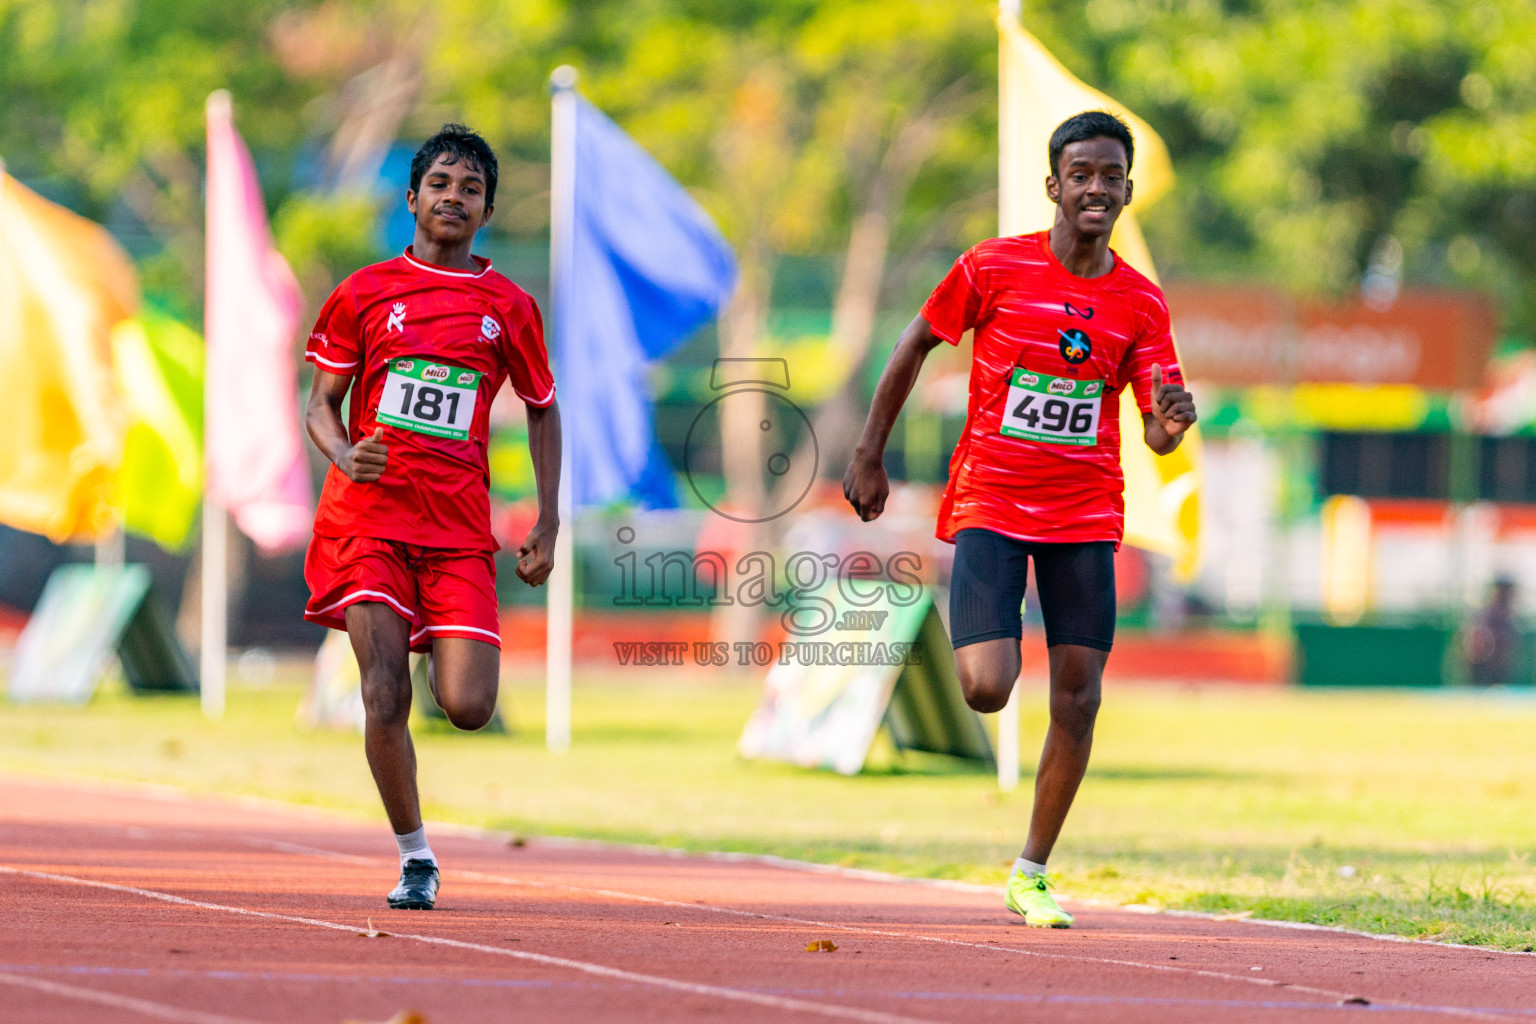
pixel 1075 345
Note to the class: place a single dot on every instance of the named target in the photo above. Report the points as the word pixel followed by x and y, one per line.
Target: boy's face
pixel 450 206
pixel 1091 185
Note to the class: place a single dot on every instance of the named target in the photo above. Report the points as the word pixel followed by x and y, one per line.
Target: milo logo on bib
pixel 430 398
pixel 1056 410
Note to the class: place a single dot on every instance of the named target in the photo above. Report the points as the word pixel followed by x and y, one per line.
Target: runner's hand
pixel 364 462
pixel 866 487
pixel 537 555
pixel 1171 404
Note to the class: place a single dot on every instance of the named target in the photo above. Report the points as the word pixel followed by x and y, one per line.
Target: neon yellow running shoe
pixel 1030 897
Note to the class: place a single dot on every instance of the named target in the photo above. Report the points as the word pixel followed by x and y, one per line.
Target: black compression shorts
pixel 1076 583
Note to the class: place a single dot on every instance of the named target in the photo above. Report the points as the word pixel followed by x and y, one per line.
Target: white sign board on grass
pixel 86 616
pixel 826 697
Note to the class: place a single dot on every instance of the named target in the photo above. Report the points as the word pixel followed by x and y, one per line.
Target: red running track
pixel 123 905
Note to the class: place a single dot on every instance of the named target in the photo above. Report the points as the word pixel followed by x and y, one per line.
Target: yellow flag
pixel 1162 511
pixel 158 363
pixel 64 283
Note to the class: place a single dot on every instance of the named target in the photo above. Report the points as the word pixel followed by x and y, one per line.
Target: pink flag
pixel 255 458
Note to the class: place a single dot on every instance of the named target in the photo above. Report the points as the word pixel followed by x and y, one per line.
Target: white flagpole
pixel 213 631
pixel 215 598
pixel 1007 220
pixel 562 596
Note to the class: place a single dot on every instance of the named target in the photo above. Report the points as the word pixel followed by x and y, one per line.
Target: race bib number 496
pixel 1057 410
pixel 430 398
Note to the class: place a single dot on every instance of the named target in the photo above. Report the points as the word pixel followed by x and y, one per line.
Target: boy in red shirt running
pixel 1062 325
pixel 402 553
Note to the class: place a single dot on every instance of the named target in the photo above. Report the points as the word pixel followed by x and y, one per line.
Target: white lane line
pixel 144 1006
pixel 299 848
pixel 597 970
pixel 182 796
pixel 1331 994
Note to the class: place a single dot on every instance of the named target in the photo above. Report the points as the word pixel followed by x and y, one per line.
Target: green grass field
pixel 1403 813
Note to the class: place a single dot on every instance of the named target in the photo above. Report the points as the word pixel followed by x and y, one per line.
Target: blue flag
pixel 648 268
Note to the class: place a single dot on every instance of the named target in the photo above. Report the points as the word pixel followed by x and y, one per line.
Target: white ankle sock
pixel 413 846
pixel 1029 867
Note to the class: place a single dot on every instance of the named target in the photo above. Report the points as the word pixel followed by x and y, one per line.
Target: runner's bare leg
pixel 1076 677
pixel 988 671
pixel 381 638
pixel 465 676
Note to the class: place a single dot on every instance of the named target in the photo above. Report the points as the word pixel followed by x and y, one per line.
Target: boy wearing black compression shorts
pixel 1061 327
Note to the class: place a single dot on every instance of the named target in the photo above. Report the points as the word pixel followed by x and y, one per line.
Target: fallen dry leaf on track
pixel 822 946
pixel 374 933
pixel 403 1017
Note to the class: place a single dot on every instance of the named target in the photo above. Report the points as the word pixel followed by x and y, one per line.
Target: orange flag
pixel 64 284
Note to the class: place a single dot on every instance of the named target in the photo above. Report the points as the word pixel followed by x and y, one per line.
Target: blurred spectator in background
pixel 1492 643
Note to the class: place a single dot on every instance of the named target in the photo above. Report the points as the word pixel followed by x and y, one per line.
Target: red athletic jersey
pixel 411 335
pixel 1052 351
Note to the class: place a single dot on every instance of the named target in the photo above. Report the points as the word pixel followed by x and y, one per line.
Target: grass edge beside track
pixel 1479 897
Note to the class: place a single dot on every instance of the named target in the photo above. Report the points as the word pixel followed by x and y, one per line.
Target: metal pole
pixel 562 591
pixel 215 583
pixel 1007 221
pixel 111 550
pixel 213 635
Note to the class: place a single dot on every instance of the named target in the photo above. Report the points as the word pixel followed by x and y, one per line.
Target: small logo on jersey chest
pixel 1085 312
pixel 1075 345
pixel 396 319
pixel 489 329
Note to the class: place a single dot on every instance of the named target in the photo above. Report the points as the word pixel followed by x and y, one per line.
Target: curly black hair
pixel 462 144
pixel 1091 124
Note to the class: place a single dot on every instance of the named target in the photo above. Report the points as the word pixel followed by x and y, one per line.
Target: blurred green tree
pixel 1313 140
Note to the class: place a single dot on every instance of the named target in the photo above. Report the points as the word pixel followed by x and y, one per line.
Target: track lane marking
pixel 1330 994
pixel 1335 995
pixel 423 981
pixel 119 1002
pixel 585 967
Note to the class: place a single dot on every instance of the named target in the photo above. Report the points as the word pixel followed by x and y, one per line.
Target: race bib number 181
pixel 1057 410
pixel 429 398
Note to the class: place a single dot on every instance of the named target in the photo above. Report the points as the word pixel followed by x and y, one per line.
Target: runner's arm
pixel 865 484
pixel 364 461
pixel 537 555
pixel 1173 412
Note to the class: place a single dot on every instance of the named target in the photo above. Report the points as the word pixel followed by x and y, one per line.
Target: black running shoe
pixel 418 886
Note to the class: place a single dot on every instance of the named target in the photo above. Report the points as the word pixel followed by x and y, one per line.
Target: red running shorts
pixel 439 591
